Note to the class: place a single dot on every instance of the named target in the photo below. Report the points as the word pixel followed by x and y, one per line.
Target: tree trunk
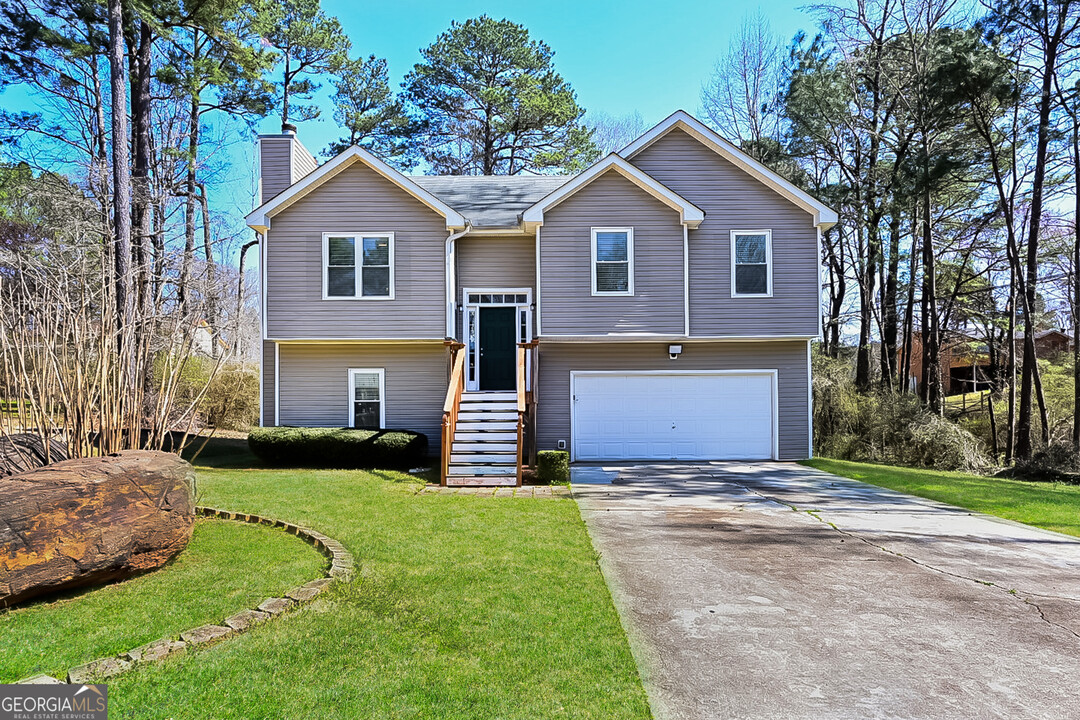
pixel 120 165
pixel 889 320
pixel 866 308
pixel 140 133
pixel 1031 280
pixel 931 332
pixel 909 311
pixel 212 318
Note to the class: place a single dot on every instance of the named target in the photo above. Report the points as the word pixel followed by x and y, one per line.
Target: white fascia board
pixel 259 218
pixel 824 216
pixel 689 214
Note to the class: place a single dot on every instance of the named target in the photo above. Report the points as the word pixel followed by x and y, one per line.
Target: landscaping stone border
pixel 342 567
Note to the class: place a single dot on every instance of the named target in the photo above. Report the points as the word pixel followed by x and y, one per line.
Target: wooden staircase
pixel 485 450
pixel 483 433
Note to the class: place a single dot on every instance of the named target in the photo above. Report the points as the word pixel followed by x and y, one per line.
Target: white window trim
pixel 768 263
pixel 381 372
pixel 629 292
pixel 358 247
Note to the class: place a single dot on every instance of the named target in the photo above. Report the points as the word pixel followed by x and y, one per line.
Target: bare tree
pixel 742 97
pixel 611 133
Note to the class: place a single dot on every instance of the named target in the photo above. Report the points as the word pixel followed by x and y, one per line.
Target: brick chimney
pixel 283 160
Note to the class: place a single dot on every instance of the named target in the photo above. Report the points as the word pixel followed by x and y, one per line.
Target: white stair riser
pixel 470 415
pixel 479 447
pixel 485 437
pixel 483 425
pixel 482 470
pixel 470 458
pixel 486 396
pixel 489 405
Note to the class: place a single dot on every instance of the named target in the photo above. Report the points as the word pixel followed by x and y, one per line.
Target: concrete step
pixel 480 480
pixel 484 458
pixel 462 469
pixel 464 425
pixel 473 446
pixel 472 415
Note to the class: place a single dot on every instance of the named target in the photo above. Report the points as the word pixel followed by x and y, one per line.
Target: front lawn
pixel 1054 506
pixel 227 567
pixel 464 607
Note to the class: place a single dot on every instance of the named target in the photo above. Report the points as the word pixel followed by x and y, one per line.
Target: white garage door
pixel 639 416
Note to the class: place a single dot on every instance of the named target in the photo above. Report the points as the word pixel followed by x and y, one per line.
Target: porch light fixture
pixel 673 351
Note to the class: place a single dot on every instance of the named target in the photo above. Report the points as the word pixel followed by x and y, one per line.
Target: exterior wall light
pixel 673 351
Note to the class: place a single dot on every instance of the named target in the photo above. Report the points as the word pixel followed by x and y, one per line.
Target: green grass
pixel 227 567
pixel 464 607
pixel 1053 506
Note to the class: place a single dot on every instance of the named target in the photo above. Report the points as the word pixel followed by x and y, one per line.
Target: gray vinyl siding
pixel 557 360
pixel 268 370
pixel 282 161
pixel 356 200
pixel 303 162
pixel 275 165
pixel 494 262
pixel 313 384
pixel 733 200
pixel 567 304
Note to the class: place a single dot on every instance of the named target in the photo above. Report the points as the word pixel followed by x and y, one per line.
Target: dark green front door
pixel 498 341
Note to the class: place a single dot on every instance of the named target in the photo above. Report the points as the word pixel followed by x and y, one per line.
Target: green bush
pixel 553 467
pixel 344 448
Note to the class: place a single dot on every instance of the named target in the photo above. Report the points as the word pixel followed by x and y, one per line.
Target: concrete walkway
pixel 777 591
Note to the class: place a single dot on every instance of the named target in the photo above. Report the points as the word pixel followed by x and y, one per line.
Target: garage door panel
pixel 637 416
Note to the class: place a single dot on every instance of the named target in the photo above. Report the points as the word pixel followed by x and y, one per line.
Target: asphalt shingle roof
pixel 490 201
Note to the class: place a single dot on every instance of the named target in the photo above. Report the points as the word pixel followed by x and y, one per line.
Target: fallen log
pixel 92 520
pixel 25 451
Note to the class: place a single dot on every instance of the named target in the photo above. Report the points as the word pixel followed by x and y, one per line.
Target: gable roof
pixel 689 214
pixel 824 216
pixel 259 218
pixel 490 201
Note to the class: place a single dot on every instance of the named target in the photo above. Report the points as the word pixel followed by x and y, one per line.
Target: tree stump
pixel 92 520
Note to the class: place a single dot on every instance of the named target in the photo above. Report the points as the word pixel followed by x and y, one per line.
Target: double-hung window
pixel 358 266
pixel 612 261
pixel 367 409
pixel 751 258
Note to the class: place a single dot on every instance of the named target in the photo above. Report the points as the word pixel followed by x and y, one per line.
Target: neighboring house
pixel 965 359
pixel 965 363
pixel 658 306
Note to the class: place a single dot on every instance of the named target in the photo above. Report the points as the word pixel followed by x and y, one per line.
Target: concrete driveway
pixel 777 591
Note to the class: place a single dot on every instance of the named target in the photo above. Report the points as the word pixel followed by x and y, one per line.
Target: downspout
pixel 686 279
pixel 451 281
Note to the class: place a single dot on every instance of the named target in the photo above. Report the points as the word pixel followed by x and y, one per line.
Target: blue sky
pixel 645 56
pixel 635 55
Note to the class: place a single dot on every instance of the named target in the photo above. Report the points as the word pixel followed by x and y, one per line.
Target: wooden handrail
pixel 450 410
pixel 521 353
pixel 453 390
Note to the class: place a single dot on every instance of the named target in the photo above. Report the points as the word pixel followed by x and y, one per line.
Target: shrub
pixel 344 448
pixel 1059 462
pixel 553 467
pixel 231 401
pixel 888 428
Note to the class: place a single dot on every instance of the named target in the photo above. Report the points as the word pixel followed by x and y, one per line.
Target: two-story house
pixel 658 306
